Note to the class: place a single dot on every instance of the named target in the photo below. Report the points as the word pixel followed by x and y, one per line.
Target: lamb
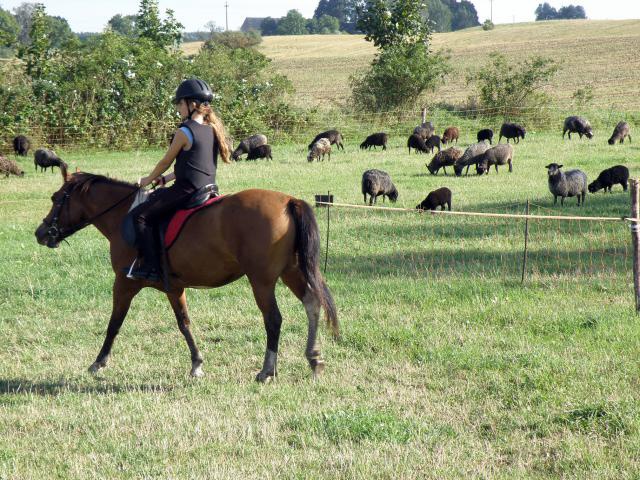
pixel 450 134
pixel 263 151
pixel 443 159
pixel 9 167
pixel 21 145
pixel 247 144
pixel 319 149
pixel 485 134
pixel 470 157
pixel 570 184
pixel 437 198
pixel 622 130
pixel 425 130
pixel 578 125
pixel 432 142
pixel 512 130
pixel 376 183
pixel 417 142
pixel 334 137
pixel 44 159
pixel 498 155
pixel 375 140
pixel 609 177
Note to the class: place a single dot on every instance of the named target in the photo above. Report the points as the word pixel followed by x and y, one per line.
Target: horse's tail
pixel 307 247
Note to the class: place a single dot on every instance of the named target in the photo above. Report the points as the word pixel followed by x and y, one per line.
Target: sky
pixel 84 16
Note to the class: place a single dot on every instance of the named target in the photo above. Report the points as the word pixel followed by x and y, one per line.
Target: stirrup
pixel 143 273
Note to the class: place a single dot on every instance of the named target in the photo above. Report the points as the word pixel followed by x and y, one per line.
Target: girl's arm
pixel 179 142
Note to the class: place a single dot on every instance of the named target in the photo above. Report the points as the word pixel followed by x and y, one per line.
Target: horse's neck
pixel 101 198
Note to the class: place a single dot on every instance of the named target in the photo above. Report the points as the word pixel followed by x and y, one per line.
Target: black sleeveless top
pixel 196 167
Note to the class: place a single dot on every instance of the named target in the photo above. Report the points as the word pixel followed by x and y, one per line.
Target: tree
pixel 439 14
pixel 324 25
pixel 269 26
pixel 38 53
pixel 164 33
pixel 292 24
pixel 9 29
pixel 545 12
pixel 23 14
pixel 571 12
pixel 213 27
pixel 399 23
pixel 464 15
pixel 59 31
pixel 123 24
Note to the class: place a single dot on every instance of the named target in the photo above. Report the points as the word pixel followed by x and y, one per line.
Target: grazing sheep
pixel 21 145
pixel 417 142
pixel 498 155
pixel 470 157
pixel 450 134
pixel 512 130
pixel 376 183
pixel 334 137
pixel 425 130
pixel 9 167
pixel 375 140
pixel 443 159
pixel 432 142
pixel 437 198
pixel 622 130
pixel 578 125
pixel 609 177
pixel 263 151
pixel 485 134
pixel 44 159
pixel 247 144
pixel 570 184
pixel 319 149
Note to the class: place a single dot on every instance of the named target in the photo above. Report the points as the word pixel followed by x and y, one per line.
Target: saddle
pixel 170 227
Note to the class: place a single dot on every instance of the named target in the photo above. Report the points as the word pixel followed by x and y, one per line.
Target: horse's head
pixel 65 216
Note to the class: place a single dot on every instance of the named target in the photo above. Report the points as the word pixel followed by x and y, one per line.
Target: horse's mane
pixel 83 181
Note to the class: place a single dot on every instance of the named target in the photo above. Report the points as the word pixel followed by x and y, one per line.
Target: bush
pixel 488 25
pixel 235 39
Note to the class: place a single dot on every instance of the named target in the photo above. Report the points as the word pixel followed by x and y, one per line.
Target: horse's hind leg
pixel 264 293
pixel 295 281
pixel 123 292
pixel 179 304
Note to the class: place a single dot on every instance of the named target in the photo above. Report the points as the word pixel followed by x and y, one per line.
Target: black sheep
pixel 610 177
pixel 432 142
pixel 512 130
pixel 334 137
pixel 21 145
pixel 44 159
pixel 262 151
pixel 376 183
pixel 485 134
pixel 437 198
pixel 578 125
pixel 417 142
pixel 375 140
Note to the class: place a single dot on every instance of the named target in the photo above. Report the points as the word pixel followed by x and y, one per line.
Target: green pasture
pixel 447 367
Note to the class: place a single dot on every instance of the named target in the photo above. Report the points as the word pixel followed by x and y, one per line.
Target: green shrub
pixel 488 25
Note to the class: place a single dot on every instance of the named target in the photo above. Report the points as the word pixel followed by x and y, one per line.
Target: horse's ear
pixel 77 170
pixel 65 175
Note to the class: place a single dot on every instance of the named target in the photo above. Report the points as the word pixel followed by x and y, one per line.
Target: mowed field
pixel 446 367
pixel 600 54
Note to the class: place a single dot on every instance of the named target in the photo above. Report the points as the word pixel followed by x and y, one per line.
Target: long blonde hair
pixel 210 118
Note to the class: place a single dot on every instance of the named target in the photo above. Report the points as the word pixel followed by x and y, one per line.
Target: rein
pixel 57 234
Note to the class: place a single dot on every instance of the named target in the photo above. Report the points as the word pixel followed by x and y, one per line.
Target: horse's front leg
pixel 179 304
pixel 123 292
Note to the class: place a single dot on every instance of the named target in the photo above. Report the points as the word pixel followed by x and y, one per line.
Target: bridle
pixel 56 234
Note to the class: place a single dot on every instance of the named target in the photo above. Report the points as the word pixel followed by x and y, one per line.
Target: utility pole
pixel 491 1
pixel 226 14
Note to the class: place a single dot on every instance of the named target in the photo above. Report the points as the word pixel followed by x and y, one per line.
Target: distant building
pixel 251 23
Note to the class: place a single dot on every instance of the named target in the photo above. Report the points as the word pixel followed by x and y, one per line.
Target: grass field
pixel 447 366
pixel 602 54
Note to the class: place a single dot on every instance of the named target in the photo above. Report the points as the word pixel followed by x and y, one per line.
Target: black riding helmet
pixel 194 89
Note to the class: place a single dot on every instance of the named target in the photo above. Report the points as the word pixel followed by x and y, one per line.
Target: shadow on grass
pixel 19 386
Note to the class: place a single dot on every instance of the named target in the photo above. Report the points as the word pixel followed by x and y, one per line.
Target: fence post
pixel 424 115
pixel 526 243
pixel 635 226
pixel 326 250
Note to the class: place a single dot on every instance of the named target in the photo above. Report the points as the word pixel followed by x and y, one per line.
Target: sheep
pixel 417 142
pixel 425 130
pixel 319 149
pixel 247 144
pixel 44 159
pixel 512 130
pixel 578 125
pixel 622 130
pixel 570 184
pixel 470 157
pixel 437 198
pixel 432 142
pixel 334 137
pixel 450 134
pixel 21 145
pixel 443 159
pixel 263 151
pixel 485 134
pixel 375 140
pixel 376 183
pixel 9 167
pixel 498 155
pixel 609 177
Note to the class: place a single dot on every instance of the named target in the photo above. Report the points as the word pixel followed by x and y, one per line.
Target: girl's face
pixel 183 109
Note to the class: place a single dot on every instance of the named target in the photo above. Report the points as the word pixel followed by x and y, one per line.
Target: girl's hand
pixel 144 181
pixel 159 181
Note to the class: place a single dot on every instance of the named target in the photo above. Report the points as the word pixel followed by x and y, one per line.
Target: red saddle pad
pixel 180 218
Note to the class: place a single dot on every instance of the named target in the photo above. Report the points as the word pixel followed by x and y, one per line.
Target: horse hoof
pixel 318 369
pixel 197 372
pixel 95 367
pixel 264 377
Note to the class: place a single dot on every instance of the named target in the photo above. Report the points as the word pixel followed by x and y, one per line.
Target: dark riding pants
pixel 161 204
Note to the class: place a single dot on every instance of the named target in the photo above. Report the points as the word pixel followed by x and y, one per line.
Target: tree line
pixel 569 12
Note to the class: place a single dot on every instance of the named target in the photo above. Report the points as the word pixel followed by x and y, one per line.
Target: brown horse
pixel 262 234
